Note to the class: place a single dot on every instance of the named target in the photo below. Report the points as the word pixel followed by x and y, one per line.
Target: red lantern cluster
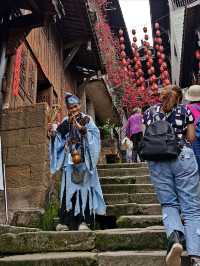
pixel 150 68
pixel 164 73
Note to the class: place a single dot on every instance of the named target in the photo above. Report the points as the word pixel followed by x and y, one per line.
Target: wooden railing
pixel 181 3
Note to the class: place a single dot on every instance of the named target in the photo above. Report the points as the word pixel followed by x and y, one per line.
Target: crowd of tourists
pixel 167 136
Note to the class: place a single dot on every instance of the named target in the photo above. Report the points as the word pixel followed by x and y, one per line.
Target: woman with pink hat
pixel 193 96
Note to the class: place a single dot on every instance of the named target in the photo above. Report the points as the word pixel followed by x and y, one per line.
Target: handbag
pixel 159 142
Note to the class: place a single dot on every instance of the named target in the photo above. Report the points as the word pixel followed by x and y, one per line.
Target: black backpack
pixel 159 142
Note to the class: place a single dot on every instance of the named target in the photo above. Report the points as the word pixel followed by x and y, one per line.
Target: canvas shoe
pixel 62 227
pixel 83 227
pixel 175 249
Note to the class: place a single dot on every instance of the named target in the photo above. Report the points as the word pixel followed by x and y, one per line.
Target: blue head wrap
pixel 71 99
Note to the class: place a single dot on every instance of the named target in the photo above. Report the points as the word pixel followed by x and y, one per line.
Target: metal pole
pixel 5 192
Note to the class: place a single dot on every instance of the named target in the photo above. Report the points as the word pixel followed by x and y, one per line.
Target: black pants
pixel 68 218
pixel 136 139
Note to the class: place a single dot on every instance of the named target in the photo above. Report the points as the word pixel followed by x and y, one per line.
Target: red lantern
pixel 197 53
pixel 121 32
pixel 152 69
pixel 133 50
pixel 123 54
pixel 148 64
pixel 158 54
pixel 124 62
pixel 166 74
pixel 159 40
pixel 134 45
pixel 161 48
pixel 121 39
pixel 158 33
pixel 140 72
pixel 154 78
pixel 133 32
pixel 138 82
pixel 160 61
pixel 162 56
pixel 150 61
pixel 150 72
pixel 135 39
pixel 162 69
pixel 145 49
pixel 145 29
pixel 157 26
pixel 157 47
pixel 142 89
pixel 164 65
pixel 167 82
pixel 149 52
pixel 122 46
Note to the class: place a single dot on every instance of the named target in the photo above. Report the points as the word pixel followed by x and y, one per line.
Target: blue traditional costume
pixel 81 195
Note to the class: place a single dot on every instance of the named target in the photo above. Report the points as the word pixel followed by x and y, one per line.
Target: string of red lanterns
pixel 149 64
pixel 164 73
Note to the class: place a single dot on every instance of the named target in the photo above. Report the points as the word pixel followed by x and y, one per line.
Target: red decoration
pixel 121 32
pixel 16 77
pixel 145 29
pixel 158 33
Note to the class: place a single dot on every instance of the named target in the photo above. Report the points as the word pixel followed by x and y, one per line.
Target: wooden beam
pixel 29 21
pixel 73 44
pixel 70 56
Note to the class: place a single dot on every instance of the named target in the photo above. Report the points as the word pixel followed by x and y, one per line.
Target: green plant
pixel 107 128
pixel 51 212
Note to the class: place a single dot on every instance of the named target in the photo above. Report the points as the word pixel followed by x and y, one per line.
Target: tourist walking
pixel 193 96
pixel 134 129
pixel 74 148
pixel 176 181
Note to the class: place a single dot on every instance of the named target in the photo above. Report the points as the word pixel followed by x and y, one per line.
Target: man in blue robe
pixel 75 148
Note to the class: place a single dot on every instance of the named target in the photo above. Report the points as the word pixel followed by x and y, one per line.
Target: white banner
pixel 1 169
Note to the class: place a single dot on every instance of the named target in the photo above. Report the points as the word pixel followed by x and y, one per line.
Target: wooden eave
pixel 191 23
pixel 116 21
pixel 76 26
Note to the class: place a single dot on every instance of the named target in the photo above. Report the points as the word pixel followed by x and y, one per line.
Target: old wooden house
pixel 46 48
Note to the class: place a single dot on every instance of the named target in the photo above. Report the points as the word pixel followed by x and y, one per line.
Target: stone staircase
pixel 138 238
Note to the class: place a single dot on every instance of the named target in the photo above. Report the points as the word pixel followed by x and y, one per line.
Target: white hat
pixel 193 93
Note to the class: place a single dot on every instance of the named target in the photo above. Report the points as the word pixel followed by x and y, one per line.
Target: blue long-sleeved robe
pixel 91 187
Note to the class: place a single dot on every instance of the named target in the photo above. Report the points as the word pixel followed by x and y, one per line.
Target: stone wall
pixel 25 153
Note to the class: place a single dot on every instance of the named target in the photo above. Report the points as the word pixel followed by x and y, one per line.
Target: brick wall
pixel 25 152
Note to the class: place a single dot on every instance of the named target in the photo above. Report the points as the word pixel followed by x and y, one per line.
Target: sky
pixel 137 15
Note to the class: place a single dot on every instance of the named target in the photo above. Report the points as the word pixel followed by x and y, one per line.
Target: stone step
pixel 51 259
pixel 4 229
pixel 117 258
pixel 139 221
pixel 133 209
pixel 145 198
pixel 47 241
pixel 121 165
pixel 125 180
pixel 127 188
pixel 140 171
pixel 120 198
pixel 136 258
pixel 131 239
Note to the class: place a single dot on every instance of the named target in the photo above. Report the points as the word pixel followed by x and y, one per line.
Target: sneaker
pixel 83 226
pixel 175 249
pixel 195 261
pixel 62 227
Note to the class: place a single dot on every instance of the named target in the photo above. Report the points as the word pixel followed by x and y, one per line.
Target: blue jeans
pixel 196 149
pixel 178 190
